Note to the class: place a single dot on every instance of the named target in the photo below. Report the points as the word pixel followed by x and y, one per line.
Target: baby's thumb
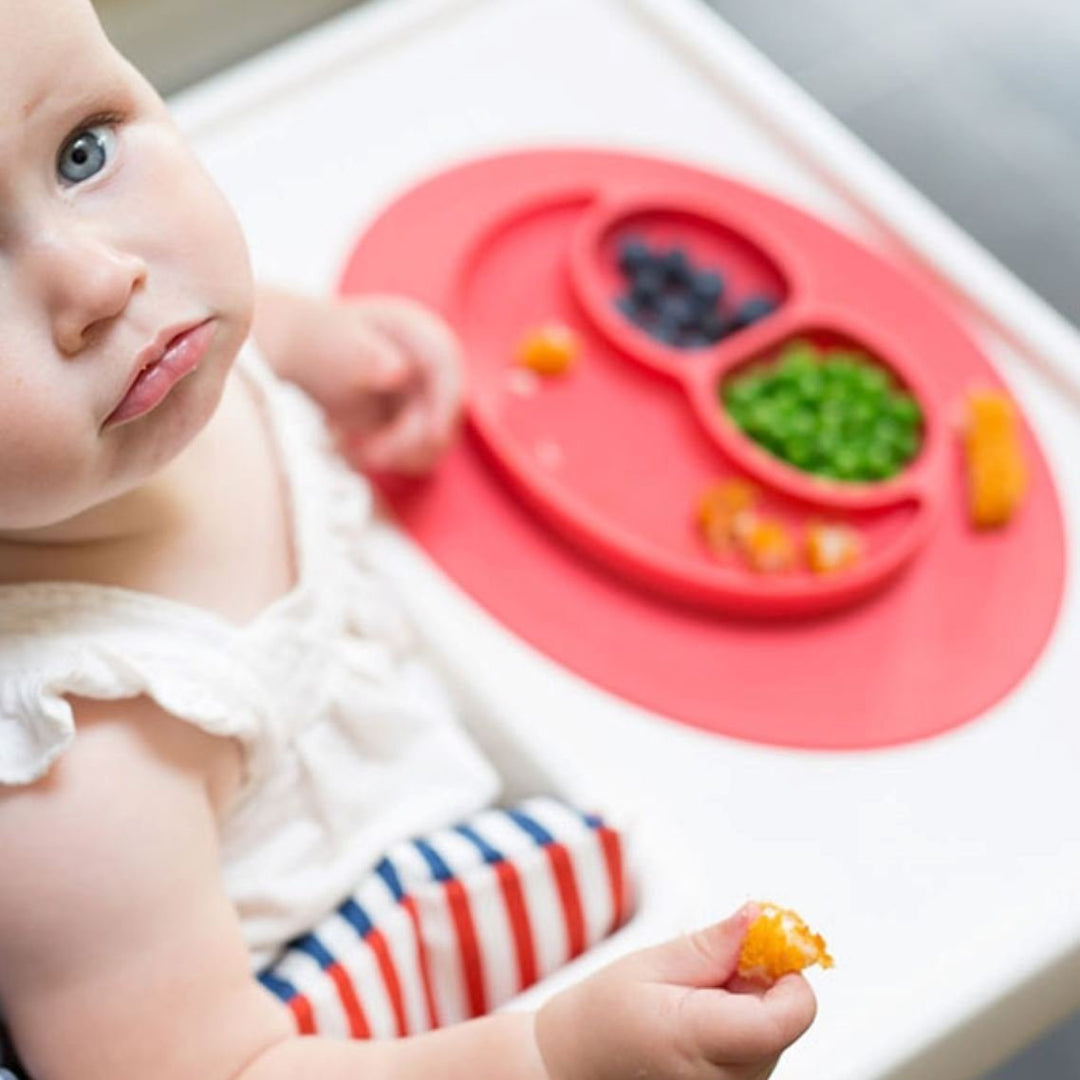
pixel 381 365
pixel 376 383
pixel 705 957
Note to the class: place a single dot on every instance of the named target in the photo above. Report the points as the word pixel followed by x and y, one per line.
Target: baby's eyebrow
pixel 83 102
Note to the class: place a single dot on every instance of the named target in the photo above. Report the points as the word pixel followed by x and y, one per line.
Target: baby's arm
pixel 386 370
pixel 119 953
pixel 121 958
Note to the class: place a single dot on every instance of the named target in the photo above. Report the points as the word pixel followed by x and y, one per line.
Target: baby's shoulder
pixel 69 649
pixel 44 717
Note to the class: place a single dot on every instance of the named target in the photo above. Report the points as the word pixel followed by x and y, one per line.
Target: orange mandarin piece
pixel 990 416
pixel 765 543
pixel 997 477
pixel 549 349
pixel 719 510
pixel 997 481
pixel 779 942
pixel 832 547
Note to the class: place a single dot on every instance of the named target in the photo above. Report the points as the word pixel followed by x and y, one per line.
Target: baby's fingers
pixel 419 332
pixel 406 445
pixel 706 957
pixel 743 1029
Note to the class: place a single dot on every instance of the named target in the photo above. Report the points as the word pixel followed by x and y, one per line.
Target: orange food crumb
pixel 779 942
pixel 720 509
pixel 765 543
pixel 997 476
pixel 832 547
pixel 549 349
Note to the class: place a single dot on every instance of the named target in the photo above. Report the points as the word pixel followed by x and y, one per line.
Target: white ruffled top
pixel 349 742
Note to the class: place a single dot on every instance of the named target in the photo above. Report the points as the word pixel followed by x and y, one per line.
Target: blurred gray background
pixel 977 102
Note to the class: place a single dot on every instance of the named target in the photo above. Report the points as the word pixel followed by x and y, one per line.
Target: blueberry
pixel 676 266
pixel 752 310
pixel 667 331
pixel 633 311
pixel 695 339
pixel 707 286
pixel 633 255
pixel 679 310
pixel 699 307
pixel 713 326
pixel 647 286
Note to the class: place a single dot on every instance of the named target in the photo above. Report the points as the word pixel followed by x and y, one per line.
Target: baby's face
pixel 113 241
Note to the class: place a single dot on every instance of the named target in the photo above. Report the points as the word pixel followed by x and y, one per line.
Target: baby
pixel 208 704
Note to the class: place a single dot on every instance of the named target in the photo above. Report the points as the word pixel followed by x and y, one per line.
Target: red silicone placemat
pixel 492 243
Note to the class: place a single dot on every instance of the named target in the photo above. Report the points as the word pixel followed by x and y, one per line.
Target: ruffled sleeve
pixel 60 638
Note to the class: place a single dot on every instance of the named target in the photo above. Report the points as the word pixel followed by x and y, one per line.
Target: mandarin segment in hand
pixel 779 942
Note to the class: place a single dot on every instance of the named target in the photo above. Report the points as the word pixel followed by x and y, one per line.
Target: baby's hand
pixel 401 402
pixel 386 370
pixel 675 1011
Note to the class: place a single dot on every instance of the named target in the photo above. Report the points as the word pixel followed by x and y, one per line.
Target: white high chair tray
pixel 946 873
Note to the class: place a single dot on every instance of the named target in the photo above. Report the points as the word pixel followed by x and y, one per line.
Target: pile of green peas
pixel 832 412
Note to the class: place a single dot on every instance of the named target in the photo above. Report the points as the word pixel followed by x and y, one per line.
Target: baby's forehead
pixel 41 32
pixel 53 50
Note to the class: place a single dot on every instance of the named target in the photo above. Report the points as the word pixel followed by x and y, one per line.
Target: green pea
pixel 887 430
pixel 879 463
pixel 762 414
pixel 854 358
pixel 799 450
pixel 842 372
pixel 905 409
pixel 831 413
pixel 827 442
pixel 787 398
pixel 741 391
pixel 799 356
pixel 773 442
pixel 803 422
pixel 810 385
pixel 738 415
pixel 874 382
pixel 846 463
pixel 907 445
pixel 862 414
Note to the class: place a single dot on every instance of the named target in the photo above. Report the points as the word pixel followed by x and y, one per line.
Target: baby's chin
pixel 144 467
pixel 161 443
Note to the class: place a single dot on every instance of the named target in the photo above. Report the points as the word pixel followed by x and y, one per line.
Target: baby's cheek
pixel 46 459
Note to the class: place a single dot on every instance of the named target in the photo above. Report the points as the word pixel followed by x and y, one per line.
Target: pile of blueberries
pixel 677 302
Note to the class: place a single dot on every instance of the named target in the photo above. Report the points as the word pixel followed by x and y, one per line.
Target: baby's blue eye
pixel 85 153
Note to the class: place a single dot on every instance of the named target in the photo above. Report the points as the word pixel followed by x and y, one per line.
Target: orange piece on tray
pixel 997 476
pixel 779 942
pixel 832 547
pixel 720 509
pixel 549 349
pixel 765 543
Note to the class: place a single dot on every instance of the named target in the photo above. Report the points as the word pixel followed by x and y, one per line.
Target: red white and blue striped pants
pixel 451 925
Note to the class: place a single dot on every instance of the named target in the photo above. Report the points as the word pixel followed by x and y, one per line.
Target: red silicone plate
pixel 571 445
pixel 567 511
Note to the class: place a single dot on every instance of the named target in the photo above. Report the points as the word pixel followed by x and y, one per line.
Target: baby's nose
pixel 86 282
